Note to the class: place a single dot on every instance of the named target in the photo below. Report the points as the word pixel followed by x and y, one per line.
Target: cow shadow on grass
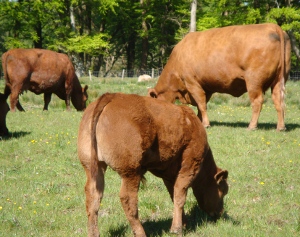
pixel 261 126
pixel 14 135
pixel 195 218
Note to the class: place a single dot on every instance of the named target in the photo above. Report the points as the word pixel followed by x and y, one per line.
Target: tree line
pixel 102 35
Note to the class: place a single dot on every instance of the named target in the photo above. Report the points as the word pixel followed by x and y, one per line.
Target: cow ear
pixel 221 175
pixel 86 87
pixel 152 93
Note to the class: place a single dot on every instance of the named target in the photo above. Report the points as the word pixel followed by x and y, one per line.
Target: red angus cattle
pixel 232 60
pixel 3 111
pixel 133 135
pixel 42 71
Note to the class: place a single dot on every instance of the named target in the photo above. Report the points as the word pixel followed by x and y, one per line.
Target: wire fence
pixel 295 75
pixel 154 73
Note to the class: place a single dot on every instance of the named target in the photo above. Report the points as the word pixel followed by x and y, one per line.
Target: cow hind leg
pixel 47 99
pixel 14 99
pixel 256 98
pixel 129 200
pixel 278 100
pixel 94 192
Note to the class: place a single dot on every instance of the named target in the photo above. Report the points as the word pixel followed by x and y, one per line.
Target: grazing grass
pixel 42 181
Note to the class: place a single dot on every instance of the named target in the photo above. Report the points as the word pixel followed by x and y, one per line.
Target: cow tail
pixel 7 89
pixel 101 103
pixel 282 70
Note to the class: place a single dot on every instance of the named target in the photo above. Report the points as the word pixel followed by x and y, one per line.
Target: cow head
pixel 176 90
pixel 79 98
pixel 210 193
pixel 168 95
pixel 4 108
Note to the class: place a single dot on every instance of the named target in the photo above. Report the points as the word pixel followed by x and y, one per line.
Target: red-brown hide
pixel 232 60
pixel 133 135
pixel 3 111
pixel 41 71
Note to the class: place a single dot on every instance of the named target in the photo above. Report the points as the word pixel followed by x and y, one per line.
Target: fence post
pixel 90 74
pixel 123 72
pixel 152 73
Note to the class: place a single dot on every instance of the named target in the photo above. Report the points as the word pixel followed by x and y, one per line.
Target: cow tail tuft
pixel 101 103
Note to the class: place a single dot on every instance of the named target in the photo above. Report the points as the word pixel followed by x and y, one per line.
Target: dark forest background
pixel 105 35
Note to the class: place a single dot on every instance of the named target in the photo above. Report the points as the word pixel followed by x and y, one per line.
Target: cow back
pixel 225 59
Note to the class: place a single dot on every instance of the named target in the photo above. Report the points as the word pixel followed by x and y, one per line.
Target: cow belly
pixel 44 82
pixel 37 88
pixel 235 87
pixel 44 86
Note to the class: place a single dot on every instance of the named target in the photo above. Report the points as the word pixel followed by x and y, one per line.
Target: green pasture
pixel 42 181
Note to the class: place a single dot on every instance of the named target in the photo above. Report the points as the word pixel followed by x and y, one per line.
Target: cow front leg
pixel 256 98
pixel 190 167
pixel 47 99
pixel 278 100
pixel 94 189
pixel 180 191
pixel 170 187
pixel 68 101
pixel 201 98
pixel 19 106
pixel 129 200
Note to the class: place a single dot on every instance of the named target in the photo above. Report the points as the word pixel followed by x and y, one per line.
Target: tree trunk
pixel 288 3
pixel 38 28
pixel 193 23
pixel 130 51
pixel 144 38
pixel 294 44
pixel 72 19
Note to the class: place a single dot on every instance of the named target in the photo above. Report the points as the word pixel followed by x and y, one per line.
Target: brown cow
pixel 233 60
pixel 42 71
pixel 3 111
pixel 133 135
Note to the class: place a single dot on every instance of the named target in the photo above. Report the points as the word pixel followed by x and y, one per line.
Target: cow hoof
pixel 178 234
pixel 252 129
pixel 281 129
pixel 176 231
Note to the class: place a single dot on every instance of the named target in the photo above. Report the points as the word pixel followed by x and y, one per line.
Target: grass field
pixel 42 181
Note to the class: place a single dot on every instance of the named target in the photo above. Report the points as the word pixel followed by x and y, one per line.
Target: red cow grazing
pixel 133 135
pixel 232 60
pixel 42 71
pixel 3 111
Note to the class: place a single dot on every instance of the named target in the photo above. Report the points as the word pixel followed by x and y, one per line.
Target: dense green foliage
pixel 131 34
pixel 42 181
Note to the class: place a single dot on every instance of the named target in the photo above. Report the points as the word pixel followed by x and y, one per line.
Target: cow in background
pixel 144 77
pixel 42 71
pixel 232 60
pixel 4 108
pixel 134 134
